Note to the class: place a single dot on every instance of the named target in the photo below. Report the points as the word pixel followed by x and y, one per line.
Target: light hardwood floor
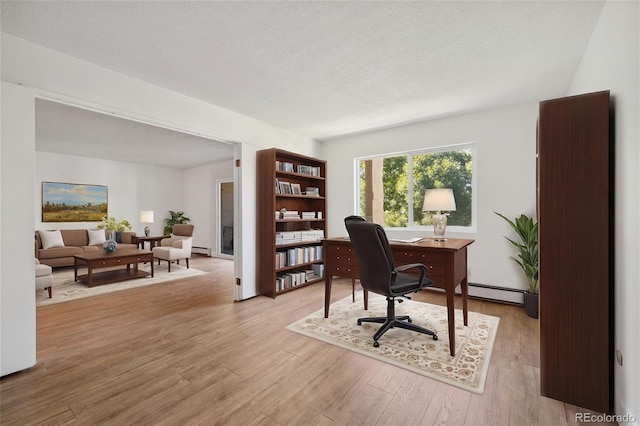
pixel 183 353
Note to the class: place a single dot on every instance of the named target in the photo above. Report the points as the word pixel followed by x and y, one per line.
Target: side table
pixel 153 240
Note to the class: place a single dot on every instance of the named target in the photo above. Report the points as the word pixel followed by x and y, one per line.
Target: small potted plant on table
pixel 527 246
pixel 113 227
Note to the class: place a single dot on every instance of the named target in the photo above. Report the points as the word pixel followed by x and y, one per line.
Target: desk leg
pixel 452 321
pixel 327 293
pixel 365 293
pixel 464 287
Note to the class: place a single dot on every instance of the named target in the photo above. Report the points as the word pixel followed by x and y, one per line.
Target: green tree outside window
pixel 385 184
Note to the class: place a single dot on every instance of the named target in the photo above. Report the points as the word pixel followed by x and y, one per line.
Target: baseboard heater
pixel 496 294
pixel 492 293
pixel 201 250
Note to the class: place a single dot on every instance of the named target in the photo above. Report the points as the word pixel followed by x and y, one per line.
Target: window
pixel 392 187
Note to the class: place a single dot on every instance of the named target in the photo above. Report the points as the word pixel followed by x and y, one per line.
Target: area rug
pixel 407 349
pixel 65 288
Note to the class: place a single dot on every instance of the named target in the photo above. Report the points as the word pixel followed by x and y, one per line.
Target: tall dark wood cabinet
pixel 575 216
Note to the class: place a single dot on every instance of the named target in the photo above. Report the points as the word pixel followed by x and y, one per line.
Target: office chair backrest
pixel 374 254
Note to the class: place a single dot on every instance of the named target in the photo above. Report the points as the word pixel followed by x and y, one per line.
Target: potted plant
pixel 111 226
pixel 527 246
pixel 174 217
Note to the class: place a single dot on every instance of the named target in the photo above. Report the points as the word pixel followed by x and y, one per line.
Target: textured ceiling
pixel 324 68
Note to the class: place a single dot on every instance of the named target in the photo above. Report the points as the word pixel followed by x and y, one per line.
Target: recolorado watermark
pixel 604 418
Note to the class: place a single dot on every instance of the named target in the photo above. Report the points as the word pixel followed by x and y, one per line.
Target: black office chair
pixel 377 274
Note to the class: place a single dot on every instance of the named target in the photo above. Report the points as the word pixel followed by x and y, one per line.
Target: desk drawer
pixel 124 260
pixel 110 262
pixel 435 262
pixel 344 261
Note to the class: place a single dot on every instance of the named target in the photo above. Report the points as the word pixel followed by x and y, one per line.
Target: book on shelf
pixel 308 170
pixel 298 256
pixel 290 237
pixel 308 215
pixel 293 279
pixel 284 166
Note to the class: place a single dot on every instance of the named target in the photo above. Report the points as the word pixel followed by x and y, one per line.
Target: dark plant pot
pixel 531 304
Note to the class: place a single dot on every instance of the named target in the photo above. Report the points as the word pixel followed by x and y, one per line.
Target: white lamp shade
pixel 146 216
pixel 440 199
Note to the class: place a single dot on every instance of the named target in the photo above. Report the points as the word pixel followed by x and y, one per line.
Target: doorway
pixel 225 218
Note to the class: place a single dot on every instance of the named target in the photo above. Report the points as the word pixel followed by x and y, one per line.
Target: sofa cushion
pixel 75 237
pixel 51 239
pixel 96 236
pixel 91 249
pixel 55 252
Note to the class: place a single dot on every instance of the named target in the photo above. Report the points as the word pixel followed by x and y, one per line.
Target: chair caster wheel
pixel 376 344
pixel 409 320
pixel 359 322
pixel 435 337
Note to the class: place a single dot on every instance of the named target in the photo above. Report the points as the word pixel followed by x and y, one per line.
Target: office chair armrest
pixel 423 269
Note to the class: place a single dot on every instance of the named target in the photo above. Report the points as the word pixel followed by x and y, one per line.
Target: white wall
pixel 611 62
pixel 200 201
pixel 28 71
pixel 131 188
pixel 17 270
pixel 505 178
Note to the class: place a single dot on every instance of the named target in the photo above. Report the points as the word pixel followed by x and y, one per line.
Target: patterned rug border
pixel 63 281
pixel 374 353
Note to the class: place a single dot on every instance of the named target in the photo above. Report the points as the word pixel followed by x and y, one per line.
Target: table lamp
pixel 146 216
pixel 439 200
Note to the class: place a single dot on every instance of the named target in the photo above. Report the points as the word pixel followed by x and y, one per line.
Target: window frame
pixel 470 146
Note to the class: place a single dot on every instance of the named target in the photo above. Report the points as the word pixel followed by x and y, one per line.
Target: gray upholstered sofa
pixel 75 241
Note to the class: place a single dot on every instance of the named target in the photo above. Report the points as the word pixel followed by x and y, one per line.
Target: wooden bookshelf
pixel 282 181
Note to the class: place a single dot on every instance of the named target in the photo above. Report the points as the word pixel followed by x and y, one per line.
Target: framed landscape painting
pixel 72 202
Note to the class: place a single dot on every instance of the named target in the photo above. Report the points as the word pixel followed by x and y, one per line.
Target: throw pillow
pixel 96 236
pixel 51 239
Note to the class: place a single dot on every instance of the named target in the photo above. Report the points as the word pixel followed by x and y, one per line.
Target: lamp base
pixel 439 226
pixel 147 231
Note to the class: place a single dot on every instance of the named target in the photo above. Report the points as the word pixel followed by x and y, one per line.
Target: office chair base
pixel 391 321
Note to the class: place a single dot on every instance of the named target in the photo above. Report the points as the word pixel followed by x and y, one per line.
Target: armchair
pixel 378 275
pixel 44 277
pixel 177 246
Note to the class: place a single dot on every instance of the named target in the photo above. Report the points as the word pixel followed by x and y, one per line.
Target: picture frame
pixel 74 202
pixel 296 189
pixel 285 187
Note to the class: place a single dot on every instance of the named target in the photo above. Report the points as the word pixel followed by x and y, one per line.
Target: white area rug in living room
pixel 407 349
pixel 65 289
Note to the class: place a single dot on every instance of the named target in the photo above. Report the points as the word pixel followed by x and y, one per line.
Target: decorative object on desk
pixel 109 246
pixel 442 201
pixel 114 227
pixel 146 217
pixel 67 289
pixel 312 191
pixel 405 349
pixel 174 218
pixel 527 246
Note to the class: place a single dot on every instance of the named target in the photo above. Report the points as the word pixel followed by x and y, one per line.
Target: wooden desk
pixel 446 264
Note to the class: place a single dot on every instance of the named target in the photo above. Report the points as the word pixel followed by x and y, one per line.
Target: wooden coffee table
pixel 101 260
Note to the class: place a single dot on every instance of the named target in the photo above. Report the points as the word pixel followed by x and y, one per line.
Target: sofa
pixel 59 246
